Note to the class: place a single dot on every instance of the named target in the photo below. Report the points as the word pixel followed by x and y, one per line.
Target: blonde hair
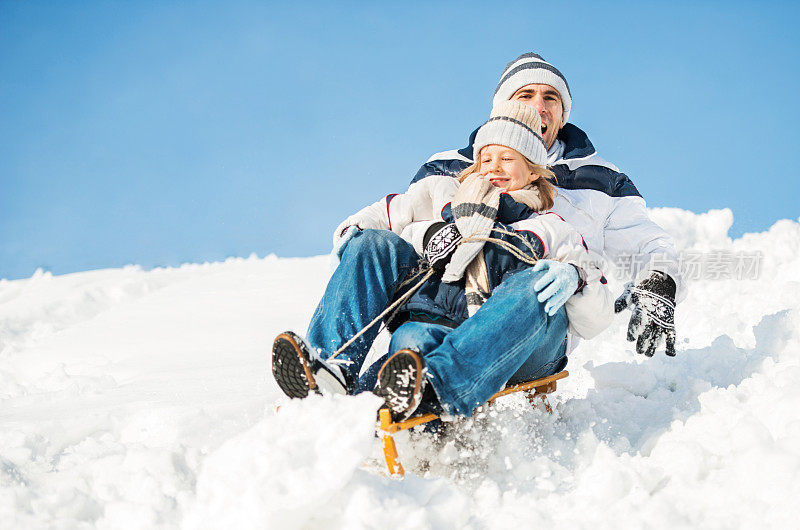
pixel 547 191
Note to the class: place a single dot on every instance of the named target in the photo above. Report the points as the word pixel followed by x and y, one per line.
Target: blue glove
pixel 338 247
pixel 344 239
pixel 557 284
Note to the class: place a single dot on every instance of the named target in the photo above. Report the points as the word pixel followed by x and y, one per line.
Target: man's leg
pixel 509 336
pixel 373 265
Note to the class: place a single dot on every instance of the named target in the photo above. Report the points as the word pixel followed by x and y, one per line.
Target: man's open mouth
pixel 544 130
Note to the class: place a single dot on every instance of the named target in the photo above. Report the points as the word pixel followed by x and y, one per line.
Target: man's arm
pixel 422 200
pixel 630 233
pixel 450 163
pixel 632 237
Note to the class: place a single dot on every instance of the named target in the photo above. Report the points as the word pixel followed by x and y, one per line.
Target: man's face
pixel 547 101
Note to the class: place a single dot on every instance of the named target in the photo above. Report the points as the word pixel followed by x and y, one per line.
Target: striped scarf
pixel 475 206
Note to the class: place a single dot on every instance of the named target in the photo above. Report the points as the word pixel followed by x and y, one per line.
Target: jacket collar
pixel 576 143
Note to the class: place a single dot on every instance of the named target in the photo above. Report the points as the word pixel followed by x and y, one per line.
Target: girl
pixel 494 251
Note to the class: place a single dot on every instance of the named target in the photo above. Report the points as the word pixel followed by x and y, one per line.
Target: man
pixel 593 196
pixel 599 201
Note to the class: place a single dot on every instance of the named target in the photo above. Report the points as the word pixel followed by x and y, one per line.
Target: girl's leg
pixel 373 264
pixel 546 359
pixel 419 336
pixel 509 336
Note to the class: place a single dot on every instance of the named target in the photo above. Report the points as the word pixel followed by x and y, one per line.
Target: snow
pixel 142 399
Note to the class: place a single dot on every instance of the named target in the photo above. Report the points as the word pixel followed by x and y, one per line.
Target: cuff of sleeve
pixel 432 229
pixel 666 266
pixel 581 278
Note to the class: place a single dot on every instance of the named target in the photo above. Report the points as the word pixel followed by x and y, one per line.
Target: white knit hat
pixel 515 125
pixel 530 68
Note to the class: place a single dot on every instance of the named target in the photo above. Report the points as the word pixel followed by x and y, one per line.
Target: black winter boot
pixel 401 383
pixel 298 371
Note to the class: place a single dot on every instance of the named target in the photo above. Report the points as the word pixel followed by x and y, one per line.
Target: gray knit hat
pixel 530 68
pixel 515 125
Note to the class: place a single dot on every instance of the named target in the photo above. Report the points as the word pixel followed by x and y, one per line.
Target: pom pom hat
pixel 515 125
pixel 529 69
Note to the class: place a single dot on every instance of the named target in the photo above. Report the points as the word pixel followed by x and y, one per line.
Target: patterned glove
pixel 653 318
pixel 440 242
pixel 559 282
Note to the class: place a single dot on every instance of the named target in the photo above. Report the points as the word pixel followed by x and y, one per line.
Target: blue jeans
pixel 510 338
pixel 373 265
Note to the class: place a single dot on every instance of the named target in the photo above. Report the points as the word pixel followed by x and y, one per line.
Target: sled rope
pixel 519 254
pixel 395 306
pixel 377 319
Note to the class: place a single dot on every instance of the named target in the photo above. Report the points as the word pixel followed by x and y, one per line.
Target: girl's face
pixel 505 167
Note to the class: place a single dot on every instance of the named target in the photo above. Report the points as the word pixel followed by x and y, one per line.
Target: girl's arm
pixel 591 309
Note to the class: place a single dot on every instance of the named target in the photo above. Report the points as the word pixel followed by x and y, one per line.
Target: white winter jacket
pixel 410 214
pixel 598 200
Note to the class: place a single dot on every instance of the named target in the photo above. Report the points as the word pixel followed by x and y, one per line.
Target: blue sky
pixel 165 132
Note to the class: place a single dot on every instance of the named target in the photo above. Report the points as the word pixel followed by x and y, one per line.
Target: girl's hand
pixel 559 281
pixel 441 241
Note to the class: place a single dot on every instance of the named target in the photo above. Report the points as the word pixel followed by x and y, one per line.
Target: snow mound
pixel 142 399
pixel 274 472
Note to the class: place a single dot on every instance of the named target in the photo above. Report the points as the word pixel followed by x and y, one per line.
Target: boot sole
pixel 290 366
pixel 396 373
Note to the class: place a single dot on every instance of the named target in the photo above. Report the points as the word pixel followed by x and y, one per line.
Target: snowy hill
pixel 140 399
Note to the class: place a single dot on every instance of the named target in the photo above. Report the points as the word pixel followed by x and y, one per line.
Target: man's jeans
pixel 372 267
pixel 509 339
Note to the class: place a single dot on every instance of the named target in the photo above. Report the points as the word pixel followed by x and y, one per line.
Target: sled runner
pixel 386 427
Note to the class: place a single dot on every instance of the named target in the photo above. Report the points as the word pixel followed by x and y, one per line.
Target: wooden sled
pixel 533 389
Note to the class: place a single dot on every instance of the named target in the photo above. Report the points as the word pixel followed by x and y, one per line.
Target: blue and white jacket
pixel 409 215
pixel 598 200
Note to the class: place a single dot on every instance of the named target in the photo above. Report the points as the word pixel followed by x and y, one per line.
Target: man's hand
pixel 653 301
pixel 342 237
pixel 440 241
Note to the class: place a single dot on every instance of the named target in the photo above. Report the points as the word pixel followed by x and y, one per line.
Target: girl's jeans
pixel 510 338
